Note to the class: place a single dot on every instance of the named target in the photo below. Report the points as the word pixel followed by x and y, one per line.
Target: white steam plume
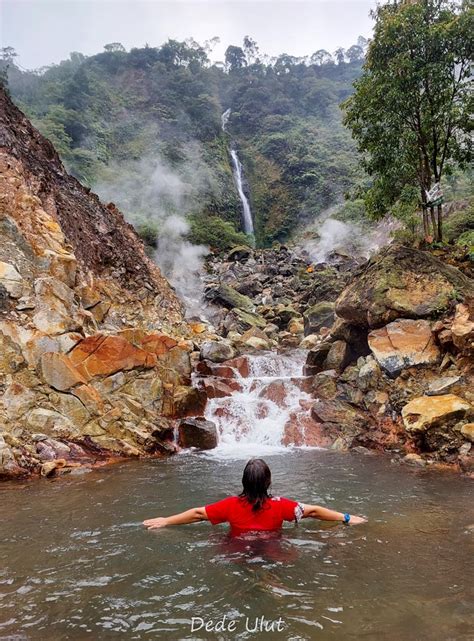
pixel 349 238
pixel 152 193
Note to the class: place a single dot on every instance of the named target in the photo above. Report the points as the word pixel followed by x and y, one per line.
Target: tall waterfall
pixel 247 219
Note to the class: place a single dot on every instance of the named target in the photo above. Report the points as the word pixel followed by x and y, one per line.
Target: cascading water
pixel 247 220
pixel 253 420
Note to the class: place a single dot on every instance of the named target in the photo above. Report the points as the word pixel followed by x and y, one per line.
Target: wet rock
pixel 197 432
pixel 216 388
pixel 316 358
pixel 403 343
pixel 338 357
pixel 426 412
pixel 400 282
pixel 217 351
pixel 9 467
pixel 317 316
pixel 414 459
pixel 51 467
pixel 324 385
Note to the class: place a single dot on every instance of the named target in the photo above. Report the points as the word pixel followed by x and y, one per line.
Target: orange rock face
pixel 104 355
pixel 403 343
pixel 425 412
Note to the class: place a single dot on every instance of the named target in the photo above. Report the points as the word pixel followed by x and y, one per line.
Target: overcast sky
pixel 46 31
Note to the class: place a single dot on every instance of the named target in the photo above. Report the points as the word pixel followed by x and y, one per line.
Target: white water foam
pixel 249 422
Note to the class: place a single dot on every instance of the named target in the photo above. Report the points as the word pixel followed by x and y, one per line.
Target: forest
pixel 144 128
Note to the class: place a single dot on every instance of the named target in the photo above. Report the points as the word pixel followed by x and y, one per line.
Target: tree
pixel 114 46
pixel 410 111
pixel 8 54
pixel 320 57
pixel 355 53
pixel 251 50
pixel 234 58
pixel 340 55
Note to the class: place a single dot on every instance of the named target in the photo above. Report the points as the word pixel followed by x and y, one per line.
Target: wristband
pixel 347 518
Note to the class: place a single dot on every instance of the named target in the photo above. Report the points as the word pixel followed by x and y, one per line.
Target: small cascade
pixel 247 220
pixel 256 418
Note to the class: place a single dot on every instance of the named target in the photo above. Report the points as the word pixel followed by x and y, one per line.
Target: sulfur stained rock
pixel 467 430
pixel 426 412
pixel 101 355
pixel 403 343
pixel 59 372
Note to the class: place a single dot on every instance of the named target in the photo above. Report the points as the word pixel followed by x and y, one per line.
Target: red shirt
pixel 238 512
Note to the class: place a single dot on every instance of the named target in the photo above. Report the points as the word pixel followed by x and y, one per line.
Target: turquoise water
pixel 76 563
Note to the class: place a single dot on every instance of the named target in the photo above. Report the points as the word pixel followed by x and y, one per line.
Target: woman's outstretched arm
pixel 190 516
pixel 324 514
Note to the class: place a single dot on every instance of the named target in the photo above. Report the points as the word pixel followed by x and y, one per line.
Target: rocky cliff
pixel 93 360
pixel 391 345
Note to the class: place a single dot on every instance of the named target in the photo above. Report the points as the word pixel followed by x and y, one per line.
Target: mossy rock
pixel 401 282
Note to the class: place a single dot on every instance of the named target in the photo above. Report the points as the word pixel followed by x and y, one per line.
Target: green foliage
pixel 410 111
pixel 214 232
pixel 459 225
pixel 116 115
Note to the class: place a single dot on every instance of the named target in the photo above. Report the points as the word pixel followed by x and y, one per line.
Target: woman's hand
pixel 155 524
pixel 357 520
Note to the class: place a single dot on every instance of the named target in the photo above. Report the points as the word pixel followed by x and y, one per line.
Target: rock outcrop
pixel 402 350
pixel 93 357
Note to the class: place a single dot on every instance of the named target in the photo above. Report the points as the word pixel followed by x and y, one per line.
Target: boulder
pixel 197 432
pixel 310 341
pixel 316 358
pixel 240 252
pixel 425 412
pixel 317 316
pixel 462 329
pixel 401 282
pixel 229 297
pixel 339 356
pixel 443 385
pixel 403 343
pixel 238 320
pixel 216 351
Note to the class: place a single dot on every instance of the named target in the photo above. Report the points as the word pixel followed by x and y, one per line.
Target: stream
pixel 76 564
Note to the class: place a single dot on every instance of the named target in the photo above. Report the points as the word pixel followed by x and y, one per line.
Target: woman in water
pixel 254 509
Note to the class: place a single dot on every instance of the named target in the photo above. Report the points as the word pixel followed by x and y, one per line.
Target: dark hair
pixel 256 480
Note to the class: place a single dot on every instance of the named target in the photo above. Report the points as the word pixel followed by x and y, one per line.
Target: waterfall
pixel 247 219
pixel 254 420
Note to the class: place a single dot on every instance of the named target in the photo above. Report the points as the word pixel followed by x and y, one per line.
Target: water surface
pixel 76 564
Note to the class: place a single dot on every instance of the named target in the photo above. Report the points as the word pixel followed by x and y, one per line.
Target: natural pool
pixel 76 564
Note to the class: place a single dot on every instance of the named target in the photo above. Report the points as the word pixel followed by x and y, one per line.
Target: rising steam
pixel 152 194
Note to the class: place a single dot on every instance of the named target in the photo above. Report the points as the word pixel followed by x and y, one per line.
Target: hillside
pixel 144 128
pixel 93 362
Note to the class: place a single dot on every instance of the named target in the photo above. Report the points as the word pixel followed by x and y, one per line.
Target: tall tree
pixel 410 110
